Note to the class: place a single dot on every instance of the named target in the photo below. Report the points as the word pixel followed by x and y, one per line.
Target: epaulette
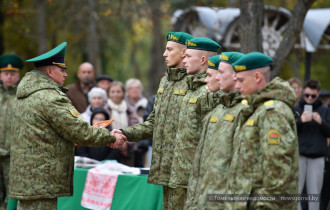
pixel 269 104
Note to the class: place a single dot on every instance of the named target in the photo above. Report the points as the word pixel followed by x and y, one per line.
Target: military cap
pixel 52 57
pixel 213 62
pixel 104 77
pixel 11 62
pixel 203 43
pixel 252 61
pixel 230 57
pixel 179 37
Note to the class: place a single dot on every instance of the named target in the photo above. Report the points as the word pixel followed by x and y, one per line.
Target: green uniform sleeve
pixel 278 145
pixel 73 128
pixel 142 130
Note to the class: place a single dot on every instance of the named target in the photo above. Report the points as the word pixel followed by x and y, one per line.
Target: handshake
pixel 120 139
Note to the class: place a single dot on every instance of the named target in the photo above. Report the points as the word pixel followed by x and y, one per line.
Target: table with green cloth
pixel 131 192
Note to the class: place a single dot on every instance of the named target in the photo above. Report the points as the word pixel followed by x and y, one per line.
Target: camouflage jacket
pixel 265 159
pixel 215 148
pixel 189 131
pixel 45 127
pixel 162 124
pixel 7 98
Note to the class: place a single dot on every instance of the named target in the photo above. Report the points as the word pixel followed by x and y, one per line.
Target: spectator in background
pixel 78 92
pixel 296 84
pixel 10 65
pixel 97 97
pixel 104 81
pixel 124 116
pixel 134 96
pixel 313 129
pixel 98 153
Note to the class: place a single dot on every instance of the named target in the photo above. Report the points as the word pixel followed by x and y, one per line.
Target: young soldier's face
pixel 9 78
pixel 173 54
pixel 211 82
pixel 225 77
pixel 245 82
pixel 193 61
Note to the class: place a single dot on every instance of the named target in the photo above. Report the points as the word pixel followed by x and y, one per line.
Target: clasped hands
pixel 306 117
pixel 120 139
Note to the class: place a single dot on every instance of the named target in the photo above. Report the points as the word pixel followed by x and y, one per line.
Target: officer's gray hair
pixel 131 81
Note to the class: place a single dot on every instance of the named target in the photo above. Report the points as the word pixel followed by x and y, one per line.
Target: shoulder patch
pixel 250 122
pixel 229 117
pixel 273 137
pixel 193 100
pixel 179 92
pixel 244 101
pixel 269 104
pixel 160 90
pixel 73 111
pixel 214 119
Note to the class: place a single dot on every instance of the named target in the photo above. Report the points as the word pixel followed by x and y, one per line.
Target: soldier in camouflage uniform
pixel 265 159
pixel 10 65
pixel 162 123
pixel 46 126
pixel 214 152
pixel 189 121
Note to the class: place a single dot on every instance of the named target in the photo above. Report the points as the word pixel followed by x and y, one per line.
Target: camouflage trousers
pixel 39 204
pixel 4 180
pixel 174 198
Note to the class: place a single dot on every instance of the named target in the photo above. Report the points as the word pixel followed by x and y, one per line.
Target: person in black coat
pixel 98 153
pixel 313 128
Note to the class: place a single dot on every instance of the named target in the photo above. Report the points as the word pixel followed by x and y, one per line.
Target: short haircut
pixel 313 84
pixel 117 83
pixel 131 81
pixel 265 71
pixel 294 80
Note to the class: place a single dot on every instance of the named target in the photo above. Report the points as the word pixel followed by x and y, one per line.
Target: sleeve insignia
pixel 273 136
pixel 73 111
pixel 229 117
pixel 214 119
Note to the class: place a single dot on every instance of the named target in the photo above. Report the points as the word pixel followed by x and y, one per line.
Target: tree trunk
pixel 93 48
pixel 156 69
pixel 250 24
pixel 41 26
pixel 291 34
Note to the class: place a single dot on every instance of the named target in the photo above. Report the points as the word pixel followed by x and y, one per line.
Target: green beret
pixel 52 57
pixel 179 37
pixel 213 62
pixel 250 61
pixel 203 43
pixel 230 57
pixel 11 62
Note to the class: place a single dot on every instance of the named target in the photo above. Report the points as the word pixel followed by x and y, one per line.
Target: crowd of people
pixel 221 127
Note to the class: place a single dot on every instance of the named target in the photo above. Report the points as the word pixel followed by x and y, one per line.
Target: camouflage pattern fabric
pixel 189 131
pixel 174 198
pixel 265 159
pixel 40 204
pixel 7 98
pixel 45 127
pixel 162 125
pixel 215 148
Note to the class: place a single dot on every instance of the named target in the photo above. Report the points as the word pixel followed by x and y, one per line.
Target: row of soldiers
pixel 220 125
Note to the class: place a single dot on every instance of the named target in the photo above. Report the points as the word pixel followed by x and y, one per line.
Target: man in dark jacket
pixel 313 129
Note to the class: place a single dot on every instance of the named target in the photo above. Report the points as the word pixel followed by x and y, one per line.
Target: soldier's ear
pixel 183 52
pixel 258 77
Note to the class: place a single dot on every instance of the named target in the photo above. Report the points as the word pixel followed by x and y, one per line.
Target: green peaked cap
pixel 250 61
pixel 213 62
pixel 11 62
pixel 179 37
pixel 203 43
pixel 230 57
pixel 52 57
